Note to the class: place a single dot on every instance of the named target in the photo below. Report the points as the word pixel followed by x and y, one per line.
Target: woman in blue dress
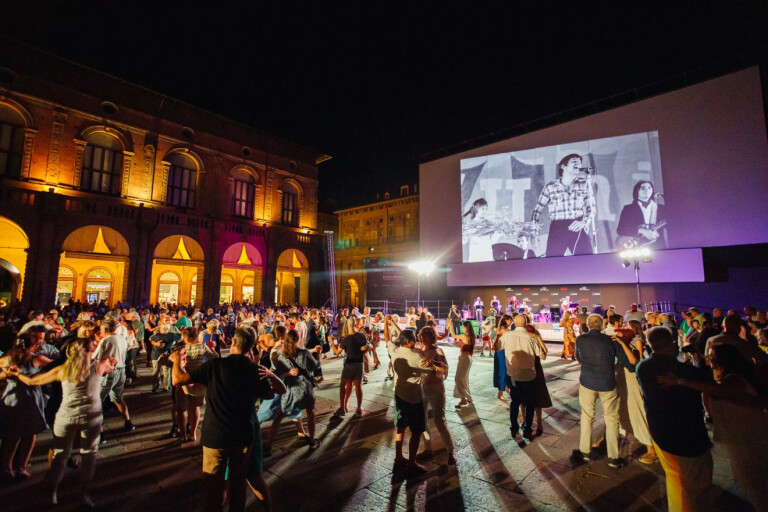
pixel 499 358
pixel 21 407
pixel 272 408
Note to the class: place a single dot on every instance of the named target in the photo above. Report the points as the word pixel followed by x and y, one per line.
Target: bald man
pixel 521 351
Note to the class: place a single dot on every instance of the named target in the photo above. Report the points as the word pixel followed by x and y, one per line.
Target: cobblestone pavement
pixel 352 469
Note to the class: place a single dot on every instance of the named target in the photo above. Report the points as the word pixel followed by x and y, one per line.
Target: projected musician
pixel 570 201
pixel 642 222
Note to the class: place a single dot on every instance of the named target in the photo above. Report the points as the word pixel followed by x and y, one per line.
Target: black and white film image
pixel 589 197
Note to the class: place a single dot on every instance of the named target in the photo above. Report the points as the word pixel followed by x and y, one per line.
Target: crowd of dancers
pixel 659 380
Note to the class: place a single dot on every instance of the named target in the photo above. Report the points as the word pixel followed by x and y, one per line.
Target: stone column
pixel 213 262
pixel 54 151
pixel 141 259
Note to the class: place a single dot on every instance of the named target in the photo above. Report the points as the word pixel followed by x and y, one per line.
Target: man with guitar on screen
pixel 642 222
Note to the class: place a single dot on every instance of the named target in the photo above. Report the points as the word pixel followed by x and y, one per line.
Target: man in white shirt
pixel 409 402
pixel 634 314
pixel 112 385
pixel 521 351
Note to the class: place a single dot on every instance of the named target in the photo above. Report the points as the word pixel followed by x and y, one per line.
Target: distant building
pixel 113 192
pixel 374 244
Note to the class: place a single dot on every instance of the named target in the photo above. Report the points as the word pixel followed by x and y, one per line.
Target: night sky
pixel 379 85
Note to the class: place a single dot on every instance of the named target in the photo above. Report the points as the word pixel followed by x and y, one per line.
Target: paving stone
pixel 352 469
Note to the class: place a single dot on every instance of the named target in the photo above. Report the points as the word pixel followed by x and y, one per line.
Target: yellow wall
pixel 285 286
pixel 239 274
pixel 185 271
pixel 13 245
pixel 82 265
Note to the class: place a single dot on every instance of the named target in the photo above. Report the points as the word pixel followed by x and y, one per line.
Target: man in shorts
pixel 409 402
pixel 112 386
pixel 354 346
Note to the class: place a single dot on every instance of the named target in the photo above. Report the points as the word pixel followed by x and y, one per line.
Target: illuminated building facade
pixel 113 192
pixel 374 244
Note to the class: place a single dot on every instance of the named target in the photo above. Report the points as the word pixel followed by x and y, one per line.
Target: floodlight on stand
pixel 421 268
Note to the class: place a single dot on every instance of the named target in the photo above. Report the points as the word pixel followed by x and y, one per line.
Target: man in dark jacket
pixel 597 353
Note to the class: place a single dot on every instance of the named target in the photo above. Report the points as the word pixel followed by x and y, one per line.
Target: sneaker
pixel 528 434
pixel 365 380
pixel 174 432
pixel 616 463
pixel 581 456
pixel 340 412
pixel 647 459
pixel 129 426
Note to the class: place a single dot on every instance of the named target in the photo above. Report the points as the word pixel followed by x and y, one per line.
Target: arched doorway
pixel 351 293
pixel 168 287
pixel 242 263
pixel 93 265
pixel 292 279
pixel 99 285
pixel 65 285
pixel 227 289
pixel 13 259
pixel 177 266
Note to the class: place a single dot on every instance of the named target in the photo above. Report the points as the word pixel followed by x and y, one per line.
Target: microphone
pixel 587 170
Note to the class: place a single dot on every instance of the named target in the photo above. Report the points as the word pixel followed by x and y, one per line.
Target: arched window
pixel 243 194
pixel 102 164
pixel 182 181
pixel 290 206
pixel 11 142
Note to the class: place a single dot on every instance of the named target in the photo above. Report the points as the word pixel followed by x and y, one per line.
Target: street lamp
pixel 421 268
pixel 635 257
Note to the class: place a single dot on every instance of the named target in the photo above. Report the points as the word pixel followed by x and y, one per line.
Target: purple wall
pixel 678 265
pixel 714 156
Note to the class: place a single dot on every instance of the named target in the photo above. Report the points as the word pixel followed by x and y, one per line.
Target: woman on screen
pixel 474 234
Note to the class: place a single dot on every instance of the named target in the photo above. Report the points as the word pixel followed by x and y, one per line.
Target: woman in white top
pixel 79 414
pixel 738 401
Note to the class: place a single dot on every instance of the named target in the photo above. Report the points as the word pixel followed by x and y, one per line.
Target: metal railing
pixel 439 308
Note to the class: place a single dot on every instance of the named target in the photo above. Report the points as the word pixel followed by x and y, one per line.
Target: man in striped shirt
pixel 570 202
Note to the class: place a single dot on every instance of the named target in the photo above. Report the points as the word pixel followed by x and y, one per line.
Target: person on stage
pixel 570 201
pixel 641 222
pixel 479 310
pixel 454 318
pixel 495 304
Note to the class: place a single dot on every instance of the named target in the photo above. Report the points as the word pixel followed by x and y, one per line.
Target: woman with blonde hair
pixel 569 337
pixel 79 414
pixel 211 337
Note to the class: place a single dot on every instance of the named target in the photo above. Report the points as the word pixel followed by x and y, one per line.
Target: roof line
pixel 649 90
